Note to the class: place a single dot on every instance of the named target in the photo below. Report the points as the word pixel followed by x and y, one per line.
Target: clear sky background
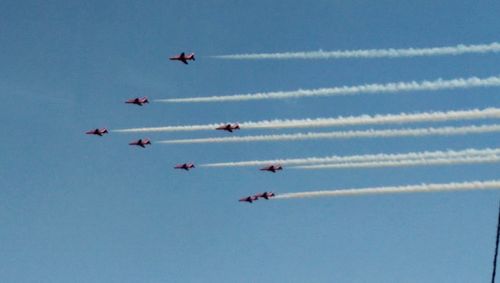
pixel 80 208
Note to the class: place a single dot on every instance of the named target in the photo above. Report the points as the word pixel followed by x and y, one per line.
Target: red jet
pixel 183 58
pixel 138 101
pixel 272 168
pixel 141 142
pixel 265 195
pixel 185 166
pixel 249 199
pixel 98 132
pixel 228 127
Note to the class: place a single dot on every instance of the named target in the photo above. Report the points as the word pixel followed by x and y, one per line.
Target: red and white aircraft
pixel 265 195
pixel 141 142
pixel 183 57
pixel 272 168
pixel 98 132
pixel 138 100
pixel 228 127
pixel 249 199
pixel 185 166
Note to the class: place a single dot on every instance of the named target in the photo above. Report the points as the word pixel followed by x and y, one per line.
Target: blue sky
pixel 78 208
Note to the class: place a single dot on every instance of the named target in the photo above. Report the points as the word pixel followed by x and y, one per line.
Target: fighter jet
pixel 228 127
pixel 265 195
pixel 272 168
pixel 183 57
pixel 138 101
pixel 141 142
pixel 98 132
pixel 249 199
pixel 185 166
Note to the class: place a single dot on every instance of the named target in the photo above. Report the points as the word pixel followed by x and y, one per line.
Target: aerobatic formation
pixel 264 195
pixel 380 160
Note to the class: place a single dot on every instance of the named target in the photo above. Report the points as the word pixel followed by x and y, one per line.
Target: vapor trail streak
pixel 423 188
pixel 416 132
pixel 439 84
pixel 488 113
pixel 471 152
pixel 405 163
pixel 370 53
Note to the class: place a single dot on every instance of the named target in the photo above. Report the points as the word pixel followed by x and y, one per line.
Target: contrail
pixel 423 188
pixel 406 163
pixel 415 132
pixel 439 84
pixel 371 53
pixel 400 118
pixel 471 152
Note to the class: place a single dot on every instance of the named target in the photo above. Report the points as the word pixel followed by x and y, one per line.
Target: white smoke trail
pixel 169 129
pixel 400 118
pixel 471 152
pixel 440 84
pixel 416 132
pixel 423 188
pixel 406 163
pixel 370 53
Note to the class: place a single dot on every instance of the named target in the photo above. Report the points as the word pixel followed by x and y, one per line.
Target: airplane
pixel 139 100
pixel 183 58
pixel 272 168
pixel 228 127
pixel 265 195
pixel 141 142
pixel 249 199
pixel 185 166
pixel 98 132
